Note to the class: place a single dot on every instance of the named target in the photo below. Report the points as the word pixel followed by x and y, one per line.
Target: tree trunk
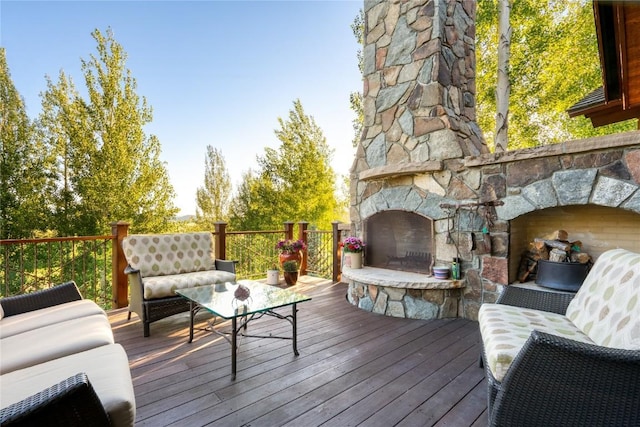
pixel 503 87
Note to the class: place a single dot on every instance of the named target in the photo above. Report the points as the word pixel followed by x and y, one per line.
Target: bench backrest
pixel 607 306
pixel 164 254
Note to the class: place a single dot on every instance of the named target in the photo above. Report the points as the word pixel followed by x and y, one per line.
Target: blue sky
pixel 215 73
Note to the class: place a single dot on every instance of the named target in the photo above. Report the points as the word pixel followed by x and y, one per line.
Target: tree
pixel 546 79
pixel 294 182
pixel 64 127
pixel 355 98
pixel 503 87
pixel 213 198
pixel 22 208
pixel 111 169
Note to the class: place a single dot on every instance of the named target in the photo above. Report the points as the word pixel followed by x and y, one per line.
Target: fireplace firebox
pixel 399 240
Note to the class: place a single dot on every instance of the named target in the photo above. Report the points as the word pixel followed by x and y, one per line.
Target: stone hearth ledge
pixel 398 279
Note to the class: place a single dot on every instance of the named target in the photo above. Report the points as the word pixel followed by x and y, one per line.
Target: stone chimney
pixel 419 83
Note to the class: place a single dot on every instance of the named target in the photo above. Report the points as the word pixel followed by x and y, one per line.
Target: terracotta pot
pixel 296 256
pixel 291 277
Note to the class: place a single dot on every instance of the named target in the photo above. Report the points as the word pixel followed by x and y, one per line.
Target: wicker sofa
pixel 161 263
pixel 59 364
pixel 557 359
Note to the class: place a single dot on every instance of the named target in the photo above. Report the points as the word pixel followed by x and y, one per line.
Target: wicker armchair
pixel 150 310
pixel 158 264
pixel 70 403
pixel 558 382
pixel 555 381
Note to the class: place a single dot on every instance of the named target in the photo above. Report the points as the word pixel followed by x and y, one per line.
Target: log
pixel 563 246
pixel 557 255
pixel 581 257
pixel 526 272
pixel 558 235
pixel 538 250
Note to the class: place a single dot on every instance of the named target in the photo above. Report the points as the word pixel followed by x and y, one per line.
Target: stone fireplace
pixel 422 164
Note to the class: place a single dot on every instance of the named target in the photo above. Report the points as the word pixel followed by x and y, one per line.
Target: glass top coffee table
pixel 220 301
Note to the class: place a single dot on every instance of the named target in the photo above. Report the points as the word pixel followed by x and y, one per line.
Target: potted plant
pixel 353 247
pixel 273 275
pixel 290 272
pixel 290 250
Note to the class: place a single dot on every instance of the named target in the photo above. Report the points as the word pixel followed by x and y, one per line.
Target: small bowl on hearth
pixel 441 273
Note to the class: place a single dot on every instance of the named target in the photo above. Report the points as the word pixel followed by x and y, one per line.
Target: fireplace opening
pixel 399 240
pixel 598 228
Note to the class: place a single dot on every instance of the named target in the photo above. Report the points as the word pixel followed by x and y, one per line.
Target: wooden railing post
pixel 221 239
pixel 302 235
pixel 120 283
pixel 336 251
pixel 288 230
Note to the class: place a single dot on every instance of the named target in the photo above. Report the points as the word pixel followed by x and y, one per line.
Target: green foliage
pixel 254 253
pixel 22 179
pixel 554 63
pixel 290 266
pixel 36 266
pixel 355 98
pixel 294 183
pixel 213 198
pixel 106 167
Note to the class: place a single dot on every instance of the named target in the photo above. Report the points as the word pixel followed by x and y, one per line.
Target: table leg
pixel 234 347
pixel 191 316
pixel 295 331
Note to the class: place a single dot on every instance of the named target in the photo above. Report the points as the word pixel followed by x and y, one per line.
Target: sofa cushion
pixel 505 329
pixel 19 323
pixel 165 286
pixel 607 306
pixel 106 367
pixel 51 342
pixel 166 254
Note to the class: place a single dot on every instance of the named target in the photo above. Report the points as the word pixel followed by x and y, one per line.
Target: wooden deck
pixel 354 368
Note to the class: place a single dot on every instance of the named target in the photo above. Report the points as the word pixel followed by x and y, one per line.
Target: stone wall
pixel 421 148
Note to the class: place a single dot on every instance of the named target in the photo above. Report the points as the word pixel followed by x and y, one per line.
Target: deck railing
pixel 96 263
pixel 32 264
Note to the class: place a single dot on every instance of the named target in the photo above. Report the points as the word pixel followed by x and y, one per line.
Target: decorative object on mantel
pixel 273 275
pixel 290 272
pixel 441 273
pixel 290 250
pixel 455 268
pixel 353 247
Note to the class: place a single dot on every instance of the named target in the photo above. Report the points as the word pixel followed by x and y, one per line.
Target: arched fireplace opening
pixel 399 240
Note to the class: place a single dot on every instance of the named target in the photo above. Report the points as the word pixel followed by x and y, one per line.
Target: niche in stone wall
pixel 599 228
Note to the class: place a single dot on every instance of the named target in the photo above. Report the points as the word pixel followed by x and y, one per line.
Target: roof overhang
pixel 618 32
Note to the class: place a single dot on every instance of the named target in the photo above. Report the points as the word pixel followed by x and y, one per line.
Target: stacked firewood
pixel 554 247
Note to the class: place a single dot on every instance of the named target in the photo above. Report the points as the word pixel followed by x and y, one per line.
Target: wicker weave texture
pixel 72 402
pixel 156 309
pixel 59 294
pixel 553 302
pixel 558 382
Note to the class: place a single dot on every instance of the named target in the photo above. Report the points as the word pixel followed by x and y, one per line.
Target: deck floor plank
pixel 354 368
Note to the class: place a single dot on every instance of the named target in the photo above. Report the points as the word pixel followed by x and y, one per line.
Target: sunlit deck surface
pixel 354 368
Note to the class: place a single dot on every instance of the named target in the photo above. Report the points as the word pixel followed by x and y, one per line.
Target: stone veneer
pixel 421 148
pixel 403 294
